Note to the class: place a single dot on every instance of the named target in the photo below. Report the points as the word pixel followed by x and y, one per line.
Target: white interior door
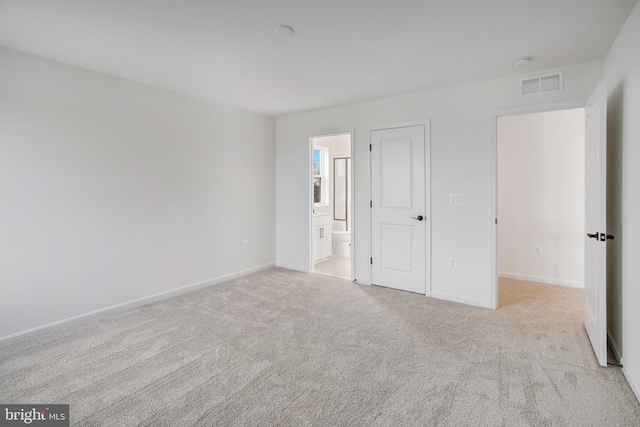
pixel 595 312
pixel 399 216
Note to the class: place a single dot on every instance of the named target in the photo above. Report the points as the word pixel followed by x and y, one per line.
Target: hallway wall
pixel 541 200
pixel 622 72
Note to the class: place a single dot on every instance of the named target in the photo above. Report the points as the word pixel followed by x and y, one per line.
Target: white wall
pixel 460 163
pixel 622 71
pixel 112 191
pixel 541 197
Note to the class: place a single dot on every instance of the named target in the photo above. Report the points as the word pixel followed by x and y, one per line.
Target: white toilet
pixel 341 243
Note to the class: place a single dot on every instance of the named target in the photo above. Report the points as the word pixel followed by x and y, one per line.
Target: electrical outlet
pixel 537 249
pixel 452 262
pixel 245 244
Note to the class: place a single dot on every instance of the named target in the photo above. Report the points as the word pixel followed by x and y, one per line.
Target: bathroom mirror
pixel 340 185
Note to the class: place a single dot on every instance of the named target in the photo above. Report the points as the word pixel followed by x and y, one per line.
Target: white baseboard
pixel 134 303
pixel 363 281
pixel 304 269
pixel 463 300
pixel 539 279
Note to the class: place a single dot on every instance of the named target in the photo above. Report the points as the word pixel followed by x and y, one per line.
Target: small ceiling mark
pixel 522 62
pixel 283 30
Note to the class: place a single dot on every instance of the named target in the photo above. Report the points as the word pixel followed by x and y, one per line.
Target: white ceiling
pixel 342 51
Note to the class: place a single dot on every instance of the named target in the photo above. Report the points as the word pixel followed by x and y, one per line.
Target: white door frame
pixel 427 172
pixel 351 133
pixel 493 167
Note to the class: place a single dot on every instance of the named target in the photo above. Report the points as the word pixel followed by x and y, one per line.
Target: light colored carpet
pixel 287 348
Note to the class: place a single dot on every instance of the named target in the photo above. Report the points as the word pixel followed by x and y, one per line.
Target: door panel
pixel 399 216
pixel 395 179
pixel 399 237
pixel 595 312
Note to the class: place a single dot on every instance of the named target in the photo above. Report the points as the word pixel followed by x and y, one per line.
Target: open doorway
pixel 541 198
pixel 332 228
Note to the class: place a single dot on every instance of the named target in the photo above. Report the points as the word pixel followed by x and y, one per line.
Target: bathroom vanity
pixel 321 236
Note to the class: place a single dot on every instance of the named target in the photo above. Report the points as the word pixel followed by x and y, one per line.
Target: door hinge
pixel 370 147
pixel 496 220
pixel 370 203
pixel 371 261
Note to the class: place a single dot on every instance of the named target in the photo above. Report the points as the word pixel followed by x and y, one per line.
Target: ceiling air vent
pixel 542 84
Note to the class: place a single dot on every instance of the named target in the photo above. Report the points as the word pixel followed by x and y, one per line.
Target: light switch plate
pixel 456 199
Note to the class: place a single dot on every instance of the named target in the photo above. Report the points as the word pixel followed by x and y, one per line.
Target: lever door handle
pixel 419 217
pixel 593 236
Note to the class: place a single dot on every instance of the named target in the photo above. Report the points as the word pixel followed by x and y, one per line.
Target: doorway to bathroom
pixel 332 227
